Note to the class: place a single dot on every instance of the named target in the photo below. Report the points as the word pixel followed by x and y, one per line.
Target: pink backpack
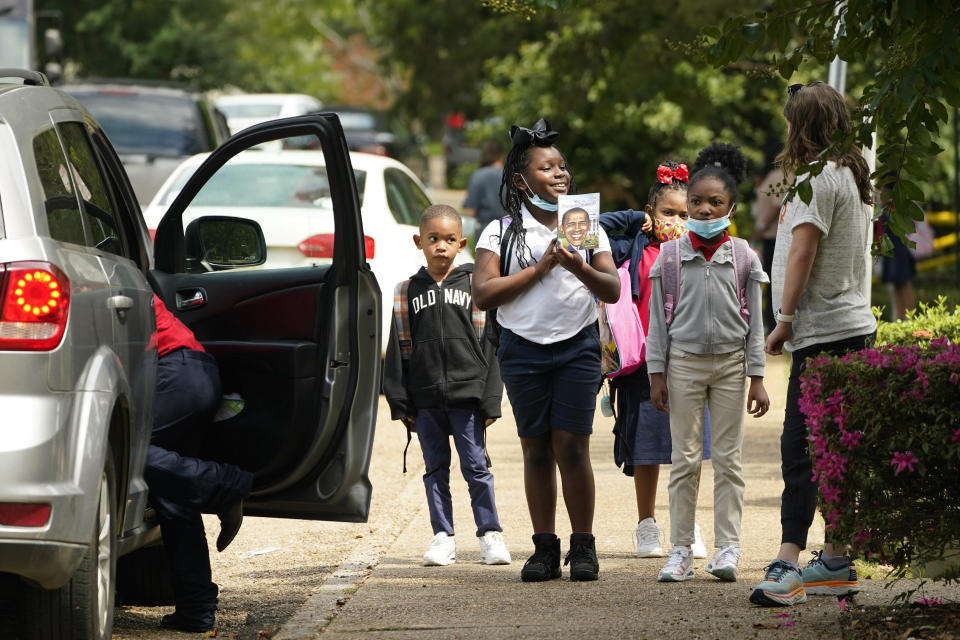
pixel 623 343
pixel 670 275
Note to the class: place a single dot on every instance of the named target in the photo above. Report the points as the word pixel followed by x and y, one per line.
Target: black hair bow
pixel 541 134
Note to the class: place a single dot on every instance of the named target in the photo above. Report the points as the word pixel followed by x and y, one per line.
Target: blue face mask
pixel 537 201
pixel 709 228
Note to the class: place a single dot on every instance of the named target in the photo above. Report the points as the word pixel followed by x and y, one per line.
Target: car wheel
pixel 144 579
pixel 82 609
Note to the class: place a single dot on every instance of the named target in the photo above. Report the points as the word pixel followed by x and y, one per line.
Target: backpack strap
pixel 478 317
pixel 670 278
pixel 507 241
pixel 741 271
pixel 401 318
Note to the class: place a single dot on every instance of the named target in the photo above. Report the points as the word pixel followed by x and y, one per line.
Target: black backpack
pixel 507 242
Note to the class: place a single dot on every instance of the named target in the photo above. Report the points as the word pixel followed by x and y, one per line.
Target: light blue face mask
pixel 709 228
pixel 537 201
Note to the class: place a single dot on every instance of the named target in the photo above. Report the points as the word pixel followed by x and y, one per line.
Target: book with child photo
pixel 578 221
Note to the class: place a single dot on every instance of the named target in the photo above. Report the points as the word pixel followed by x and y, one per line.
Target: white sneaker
pixel 699 549
pixel 442 551
pixel 492 549
pixel 724 564
pixel 679 566
pixel 649 539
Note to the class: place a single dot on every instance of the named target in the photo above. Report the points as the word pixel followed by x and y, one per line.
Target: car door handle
pixel 190 300
pixel 119 303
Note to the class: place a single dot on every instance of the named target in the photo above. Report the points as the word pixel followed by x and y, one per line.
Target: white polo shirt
pixel 556 307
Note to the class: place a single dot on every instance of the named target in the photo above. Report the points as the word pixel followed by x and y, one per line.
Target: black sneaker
pixel 582 557
pixel 174 621
pixel 544 564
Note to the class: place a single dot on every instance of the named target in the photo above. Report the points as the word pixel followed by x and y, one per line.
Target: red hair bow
pixel 666 175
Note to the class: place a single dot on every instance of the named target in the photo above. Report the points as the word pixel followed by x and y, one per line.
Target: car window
pixel 150 124
pixel 404 197
pixel 250 110
pixel 98 207
pixel 61 204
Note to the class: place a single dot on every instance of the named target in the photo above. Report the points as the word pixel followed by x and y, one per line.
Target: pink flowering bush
pixel 885 443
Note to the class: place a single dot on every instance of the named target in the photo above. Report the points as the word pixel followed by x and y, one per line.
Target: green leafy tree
pixel 174 40
pixel 912 48
pixel 623 99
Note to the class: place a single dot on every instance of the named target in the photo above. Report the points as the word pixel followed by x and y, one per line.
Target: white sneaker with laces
pixel 492 548
pixel 442 551
pixel 699 549
pixel 649 539
pixel 679 565
pixel 725 563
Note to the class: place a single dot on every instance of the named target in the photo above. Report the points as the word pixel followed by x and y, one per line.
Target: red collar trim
pixel 699 244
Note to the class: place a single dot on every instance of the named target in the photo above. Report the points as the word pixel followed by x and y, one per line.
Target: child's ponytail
pixel 723 161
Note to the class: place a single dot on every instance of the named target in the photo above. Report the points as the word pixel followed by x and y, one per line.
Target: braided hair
pixel 675 182
pixel 722 161
pixel 518 160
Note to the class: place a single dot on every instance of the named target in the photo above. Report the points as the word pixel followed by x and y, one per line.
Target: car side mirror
pixel 217 243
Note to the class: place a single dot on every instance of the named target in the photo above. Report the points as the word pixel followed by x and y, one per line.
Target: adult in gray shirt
pixel 820 286
pixel 483 191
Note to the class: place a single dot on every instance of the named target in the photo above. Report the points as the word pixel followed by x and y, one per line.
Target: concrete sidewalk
pixel 402 599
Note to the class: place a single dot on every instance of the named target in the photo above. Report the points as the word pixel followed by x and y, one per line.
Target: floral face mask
pixel 671 229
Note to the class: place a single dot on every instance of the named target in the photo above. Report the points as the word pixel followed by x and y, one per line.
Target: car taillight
pixel 321 246
pixel 34 300
pixel 24 515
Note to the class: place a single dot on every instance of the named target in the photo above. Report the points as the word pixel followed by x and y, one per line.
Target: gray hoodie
pixel 707 318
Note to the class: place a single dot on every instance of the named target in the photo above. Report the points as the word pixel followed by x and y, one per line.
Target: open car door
pixel 297 341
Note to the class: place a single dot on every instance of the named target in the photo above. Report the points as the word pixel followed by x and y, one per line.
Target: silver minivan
pixel 300 348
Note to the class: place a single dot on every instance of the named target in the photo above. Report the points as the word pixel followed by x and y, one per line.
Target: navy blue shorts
pixel 551 386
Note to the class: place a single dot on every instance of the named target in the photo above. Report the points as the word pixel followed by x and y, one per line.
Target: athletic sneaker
pixel 679 565
pixel 442 551
pixel 835 576
pixel 582 557
pixel 649 539
pixel 544 564
pixel 699 549
pixel 724 564
pixel 782 586
pixel 492 549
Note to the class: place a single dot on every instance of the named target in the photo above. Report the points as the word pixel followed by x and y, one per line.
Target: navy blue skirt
pixel 642 432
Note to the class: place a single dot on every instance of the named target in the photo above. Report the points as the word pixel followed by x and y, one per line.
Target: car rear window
pixel 150 124
pixel 262 185
pixel 250 110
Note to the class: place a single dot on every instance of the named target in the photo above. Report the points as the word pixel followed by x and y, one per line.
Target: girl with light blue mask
pixel 705 348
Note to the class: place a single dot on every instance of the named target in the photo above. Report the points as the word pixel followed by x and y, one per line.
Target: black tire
pixel 144 579
pixel 82 609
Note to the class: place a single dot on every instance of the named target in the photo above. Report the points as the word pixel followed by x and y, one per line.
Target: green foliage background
pixel 627 82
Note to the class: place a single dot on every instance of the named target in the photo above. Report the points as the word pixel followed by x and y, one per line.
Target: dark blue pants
pixel 434 428
pixel 182 486
pixel 799 500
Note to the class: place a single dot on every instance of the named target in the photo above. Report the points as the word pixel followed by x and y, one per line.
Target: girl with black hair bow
pixel 549 349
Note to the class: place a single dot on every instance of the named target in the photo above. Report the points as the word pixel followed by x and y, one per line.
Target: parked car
pixel 364 129
pixel 78 272
pixel 152 125
pixel 247 109
pixel 288 194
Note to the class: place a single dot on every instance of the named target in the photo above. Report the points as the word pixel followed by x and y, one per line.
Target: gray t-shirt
pixel 483 194
pixel 836 301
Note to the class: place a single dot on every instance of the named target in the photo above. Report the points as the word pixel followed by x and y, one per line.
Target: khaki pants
pixel 720 380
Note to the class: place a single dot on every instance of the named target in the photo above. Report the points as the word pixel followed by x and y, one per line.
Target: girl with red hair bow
pixel 643 433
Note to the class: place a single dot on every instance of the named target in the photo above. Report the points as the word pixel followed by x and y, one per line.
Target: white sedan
pixel 287 193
